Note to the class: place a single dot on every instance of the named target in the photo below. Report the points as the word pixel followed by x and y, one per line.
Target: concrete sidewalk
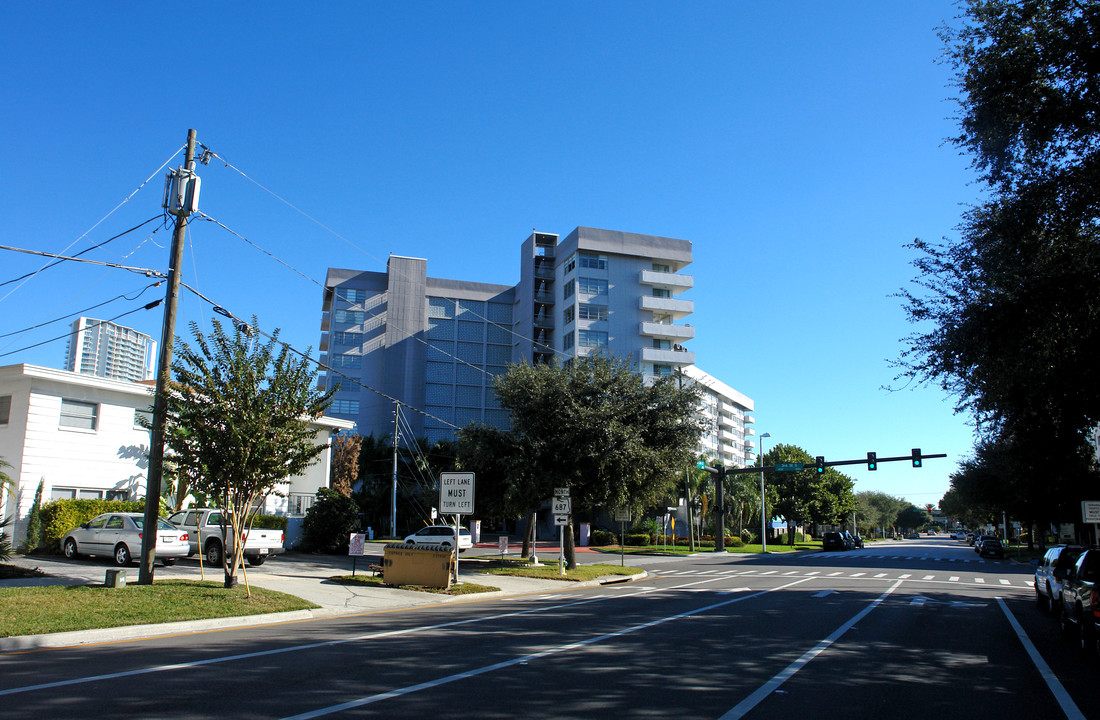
pixel 301 575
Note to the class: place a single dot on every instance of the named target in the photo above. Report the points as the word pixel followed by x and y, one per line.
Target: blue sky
pixel 798 145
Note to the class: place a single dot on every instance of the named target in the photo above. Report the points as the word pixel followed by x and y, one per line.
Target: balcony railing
pixel 675 282
pixel 671 357
pixel 676 308
pixel 666 330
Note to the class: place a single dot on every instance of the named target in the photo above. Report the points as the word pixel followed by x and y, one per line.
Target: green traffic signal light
pixel 916 457
pixel 820 463
pixel 872 461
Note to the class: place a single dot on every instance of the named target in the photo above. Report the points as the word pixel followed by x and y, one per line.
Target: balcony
pixel 323 347
pixel 666 330
pixel 676 308
pixel 749 431
pixel 544 272
pixel 727 436
pixel 749 420
pixel 544 321
pixel 544 298
pixel 326 321
pixel 673 281
pixel 670 357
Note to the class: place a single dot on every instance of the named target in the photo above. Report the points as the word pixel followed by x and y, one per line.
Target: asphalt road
pixel 913 629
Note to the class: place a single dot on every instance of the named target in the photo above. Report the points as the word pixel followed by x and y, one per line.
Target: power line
pixel 81 312
pixel 93 247
pixel 144 271
pixel 150 306
pixel 93 227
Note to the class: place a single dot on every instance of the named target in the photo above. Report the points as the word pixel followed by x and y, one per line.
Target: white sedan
pixel 119 535
pixel 441 535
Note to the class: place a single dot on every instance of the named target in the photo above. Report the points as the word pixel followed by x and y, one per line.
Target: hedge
pixel 636 539
pixel 61 516
pixel 601 538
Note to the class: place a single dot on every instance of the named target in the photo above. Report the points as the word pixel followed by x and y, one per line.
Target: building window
pixel 5 409
pixel 662 370
pixel 569 288
pixel 592 338
pixel 567 315
pixel 344 407
pixel 347 361
pixel 352 295
pixel 659 344
pixel 658 267
pixel 79 415
pixel 299 504
pixel 347 338
pixel 593 312
pixel 567 341
pixel 355 317
pixel 570 263
pixel 594 262
pixel 662 292
pixel 592 286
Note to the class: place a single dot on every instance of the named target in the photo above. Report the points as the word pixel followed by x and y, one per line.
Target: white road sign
pixel 561 519
pixel 562 505
pixel 1090 511
pixel 561 492
pixel 456 493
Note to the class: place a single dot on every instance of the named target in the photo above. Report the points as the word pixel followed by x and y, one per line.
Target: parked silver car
pixel 1050 572
pixel 119 535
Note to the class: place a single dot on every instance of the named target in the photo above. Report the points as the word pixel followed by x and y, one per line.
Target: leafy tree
pixel 239 416
pixel 329 522
pixel 597 428
pixel 1008 311
pixel 345 462
pixel 833 502
pixel 794 491
pixel 878 509
pixel 913 517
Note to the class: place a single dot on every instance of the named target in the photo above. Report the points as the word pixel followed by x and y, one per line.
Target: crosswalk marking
pixel 953 578
pixel 1005 582
pixel 905 576
pixel 880 575
pixel 979 580
pixel 857 574
pixel 928 577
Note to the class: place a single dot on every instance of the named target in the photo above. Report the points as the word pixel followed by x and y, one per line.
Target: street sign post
pixel 456 496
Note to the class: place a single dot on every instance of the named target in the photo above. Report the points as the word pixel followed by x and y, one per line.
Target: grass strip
pixel 462 588
pixel 551 571
pixel 63 608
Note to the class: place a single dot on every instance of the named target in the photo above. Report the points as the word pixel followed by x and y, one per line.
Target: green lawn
pixel 61 608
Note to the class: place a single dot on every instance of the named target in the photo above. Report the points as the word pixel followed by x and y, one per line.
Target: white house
pixel 80 436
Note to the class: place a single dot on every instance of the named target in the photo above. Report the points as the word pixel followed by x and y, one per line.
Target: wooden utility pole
pixel 164 370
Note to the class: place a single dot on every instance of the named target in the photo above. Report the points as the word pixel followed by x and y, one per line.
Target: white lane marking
pixel 769 572
pixel 904 577
pixel 979 580
pixel 791 572
pixel 815 572
pixel 928 577
pixel 953 578
pixel 879 575
pixel 524 659
pixel 745 706
pixel 1064 701
pixel 857 574
pixel 1005 582
pixel 835 574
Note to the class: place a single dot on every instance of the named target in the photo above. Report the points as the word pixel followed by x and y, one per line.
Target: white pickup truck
pixel 205 525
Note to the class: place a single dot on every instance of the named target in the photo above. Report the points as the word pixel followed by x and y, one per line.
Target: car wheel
pixel 213 553
pixel 122 555
pixel 70 549
pixel 256 560
pixel 1052 602
pixel 168 561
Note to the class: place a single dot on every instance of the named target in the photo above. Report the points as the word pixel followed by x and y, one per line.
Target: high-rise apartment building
pixel 726 416
pixel 104 349
pixel 437 344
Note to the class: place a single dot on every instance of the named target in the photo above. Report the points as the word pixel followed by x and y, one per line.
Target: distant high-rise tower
pixel 104 349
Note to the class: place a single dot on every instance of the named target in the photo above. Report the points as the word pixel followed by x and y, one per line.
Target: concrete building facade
pixel 107 350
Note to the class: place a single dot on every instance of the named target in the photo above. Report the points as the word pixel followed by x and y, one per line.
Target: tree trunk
pixel 570 548
pixel 528 533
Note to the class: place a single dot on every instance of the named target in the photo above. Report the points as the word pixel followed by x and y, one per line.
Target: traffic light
pixel 820 463
pixel 916 457
pixel 872 461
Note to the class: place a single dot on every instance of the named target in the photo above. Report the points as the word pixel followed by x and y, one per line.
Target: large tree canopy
pixel 239 421
pixel 593 426
pixel 1008 315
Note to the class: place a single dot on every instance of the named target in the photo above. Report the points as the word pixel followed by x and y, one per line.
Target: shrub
pixel 602 537
pixel 329 522
pixel 734 542
pixel 269 522
pixel 636 539
pixel 61 516
pixel 34 522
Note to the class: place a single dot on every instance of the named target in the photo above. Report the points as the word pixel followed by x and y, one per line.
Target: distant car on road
pixel 119 535
pixel 1080 612
pixel 991 547
pixel 833 541
pixel 1051 572
pixel 441 535
pixel 913 536
pixel 855 541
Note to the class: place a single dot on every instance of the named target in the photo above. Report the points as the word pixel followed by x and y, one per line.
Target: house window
pixel 592 286
pixel 298 505
pixel 594 262
pixel 79 415
pixel 5 409
pixel 592 338
pixel 593 312
pixel 143 419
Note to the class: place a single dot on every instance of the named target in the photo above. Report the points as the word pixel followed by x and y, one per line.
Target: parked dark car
pixel 854 541
pixel 981 539
pixel 833 541
pixel 1051 572
pixel 1081 602
pixel 991 547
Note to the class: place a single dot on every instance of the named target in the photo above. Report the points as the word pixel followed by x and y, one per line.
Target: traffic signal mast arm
pixel 795 467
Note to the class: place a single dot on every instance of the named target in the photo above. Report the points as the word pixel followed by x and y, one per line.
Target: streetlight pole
pixel 763 500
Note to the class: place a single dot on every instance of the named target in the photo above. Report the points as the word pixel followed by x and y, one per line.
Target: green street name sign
pixel 788 467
